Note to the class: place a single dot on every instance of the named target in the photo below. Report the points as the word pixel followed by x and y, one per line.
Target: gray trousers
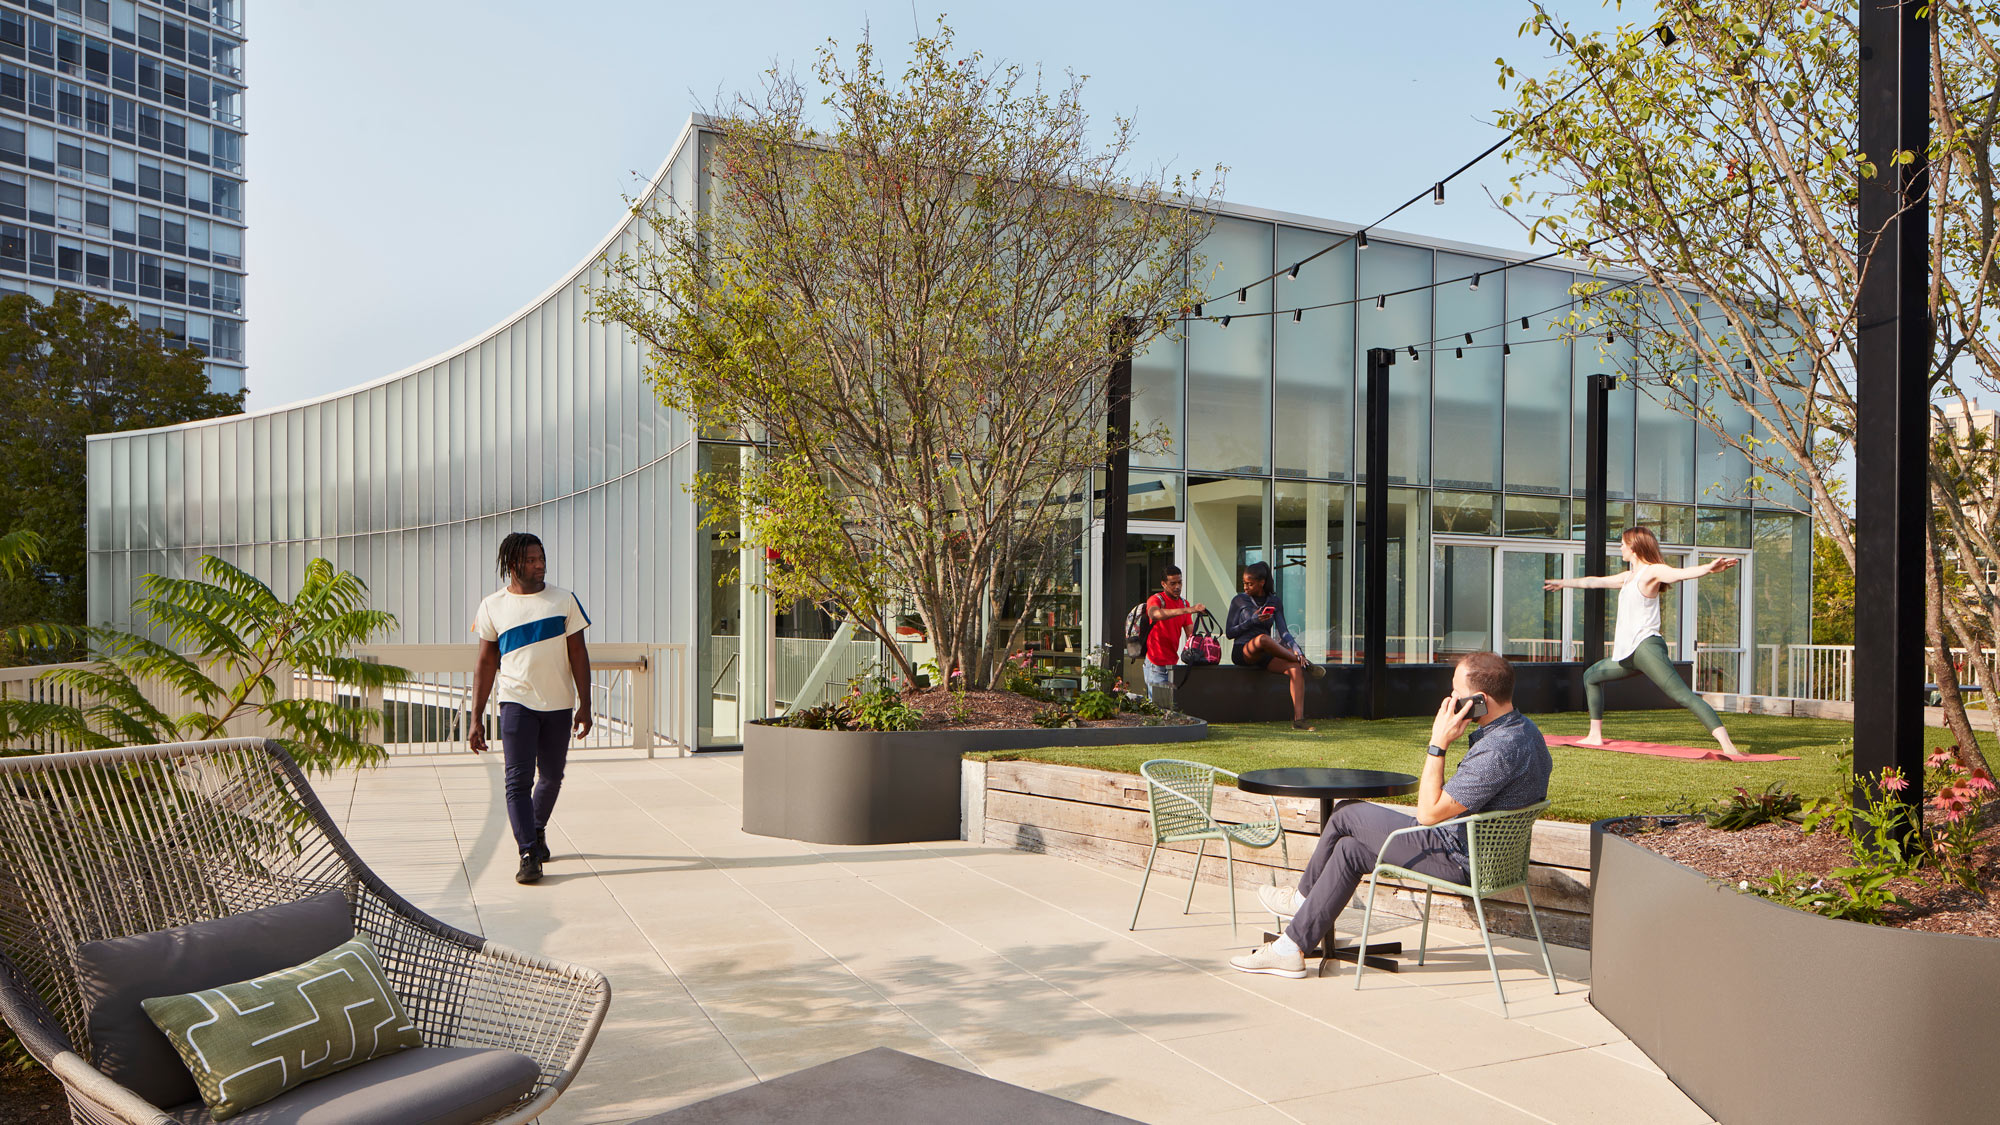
pixel 1347 849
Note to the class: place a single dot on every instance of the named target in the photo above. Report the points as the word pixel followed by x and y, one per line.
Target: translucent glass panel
pixel 1671 523
pixel 1402 322
pixel 1537 517
pixel 1225 532
pixel 1663 448
pixel 1462 582
pixel 1724 469
pixel 1465 428
pixel 1158 372
pixel 1722 527
pixel 1309 538
pixel 1229 369
pixel 1314 424
pixel 1531 618
pixel 1406 583
pixel 1538 381
pixel 1719 618
pixel 1465 513
pixel 1617 517
pixel 1148 496
pixel 1781 589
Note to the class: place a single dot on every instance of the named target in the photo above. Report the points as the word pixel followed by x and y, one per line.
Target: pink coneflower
pixel 1980 779
pixel 1938 759
pixel 1894 782
pixel 1954 814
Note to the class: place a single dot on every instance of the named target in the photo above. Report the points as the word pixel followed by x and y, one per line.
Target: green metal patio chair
pixel 1182 795
pixel 1496 845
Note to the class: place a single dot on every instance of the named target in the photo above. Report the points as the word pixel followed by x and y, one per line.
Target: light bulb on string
pixel 1475 283
pixel 1294 274
pixel 1458 353
pixel 1225 322
pixel 1382 300
pixel 1298 315
pixel 1361 240
pixel 1243 296
pixel 1437 192
pixel 1468 337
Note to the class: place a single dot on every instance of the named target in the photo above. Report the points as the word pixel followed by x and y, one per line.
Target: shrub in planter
pixel 1096 704
pixel 1054 716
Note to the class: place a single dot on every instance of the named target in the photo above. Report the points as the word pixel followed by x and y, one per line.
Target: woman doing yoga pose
pixel 1638 648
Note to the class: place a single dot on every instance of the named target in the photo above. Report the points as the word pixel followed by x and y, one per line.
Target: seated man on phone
pixel 1506 766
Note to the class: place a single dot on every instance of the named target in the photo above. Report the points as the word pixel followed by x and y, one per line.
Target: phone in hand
pixel 1478 699
pixel 1266 611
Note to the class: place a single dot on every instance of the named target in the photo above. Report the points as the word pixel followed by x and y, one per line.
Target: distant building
pixel 121 162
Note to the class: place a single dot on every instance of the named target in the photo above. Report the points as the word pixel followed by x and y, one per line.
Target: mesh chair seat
pixel 108 843
pixel 1497 844
pixel 1181 795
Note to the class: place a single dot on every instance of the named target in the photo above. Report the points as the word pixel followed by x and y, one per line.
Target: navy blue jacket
pixel 1244 623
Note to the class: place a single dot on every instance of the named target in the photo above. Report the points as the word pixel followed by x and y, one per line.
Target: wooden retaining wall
pixel 1101 817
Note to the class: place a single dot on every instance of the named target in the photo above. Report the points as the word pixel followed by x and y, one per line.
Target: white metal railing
pixel 639 698
pixel 1718 668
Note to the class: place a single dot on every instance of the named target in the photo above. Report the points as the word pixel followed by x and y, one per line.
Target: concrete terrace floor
pixel 736 958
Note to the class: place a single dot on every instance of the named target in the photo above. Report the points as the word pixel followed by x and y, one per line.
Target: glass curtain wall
pixel 1310 539
pixel 1313 426
pixel 1229 366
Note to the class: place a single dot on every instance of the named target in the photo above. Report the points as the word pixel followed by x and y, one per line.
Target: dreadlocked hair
pixel 514 552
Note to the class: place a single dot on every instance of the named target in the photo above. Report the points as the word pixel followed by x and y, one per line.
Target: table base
pixel 1370 955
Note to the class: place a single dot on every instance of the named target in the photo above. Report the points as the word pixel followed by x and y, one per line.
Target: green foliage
pixel 1742 809
pixel 873 703
pixel 69 369
pixel 1133 703
pixel 1095 704
pixel 231 652
pixel 1019 677
pixel 1833 593
pixel 895 299
pixel 1956 807
pixel 1054 716
pixel 826 716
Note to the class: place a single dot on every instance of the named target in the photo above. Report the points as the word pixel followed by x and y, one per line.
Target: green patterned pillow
pixel 247 1043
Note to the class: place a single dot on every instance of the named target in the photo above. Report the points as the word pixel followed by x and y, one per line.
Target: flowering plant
pixel 1955 815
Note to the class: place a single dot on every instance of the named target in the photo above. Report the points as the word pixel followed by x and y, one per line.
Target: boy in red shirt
pixel 1171 617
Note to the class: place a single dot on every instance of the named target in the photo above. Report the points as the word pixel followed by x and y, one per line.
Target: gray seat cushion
pixel 117 973
pixel 420 1086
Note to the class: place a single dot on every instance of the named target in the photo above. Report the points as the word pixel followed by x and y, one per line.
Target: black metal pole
pixel 1375 538
pixel 1117 487
pixel 1597 473
pixel 1892 431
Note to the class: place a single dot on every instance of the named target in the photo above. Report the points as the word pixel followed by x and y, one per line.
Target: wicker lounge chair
pixel 108 843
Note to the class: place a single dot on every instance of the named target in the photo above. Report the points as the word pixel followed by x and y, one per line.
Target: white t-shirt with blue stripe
pixel 532 631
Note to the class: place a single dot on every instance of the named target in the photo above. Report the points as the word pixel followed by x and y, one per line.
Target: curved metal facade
pixel 542 424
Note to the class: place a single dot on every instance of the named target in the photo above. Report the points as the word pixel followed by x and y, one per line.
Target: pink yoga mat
pixel 1661 750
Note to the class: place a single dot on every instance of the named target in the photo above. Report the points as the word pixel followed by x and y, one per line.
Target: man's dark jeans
pixel 535 747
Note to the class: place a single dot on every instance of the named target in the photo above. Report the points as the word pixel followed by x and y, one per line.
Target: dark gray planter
pixel 864 787
pixel 1763 1013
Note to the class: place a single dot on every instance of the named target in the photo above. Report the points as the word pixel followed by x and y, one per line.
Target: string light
pixel 1524 320
pixel 1298 315
pixel 1243 296
pixel 1458 353
pixel 1666 34
pixel 1225 322
pixel 1506 349
pixel 1436 192
pixel 1294 275
pixel 1381 300
pixel 1468 337
pixel 1413 354
pixel 1197 311
pixel 1475 283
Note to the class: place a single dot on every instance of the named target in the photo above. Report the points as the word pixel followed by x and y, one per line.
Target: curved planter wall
pixel 896 787
pixel 1764 1013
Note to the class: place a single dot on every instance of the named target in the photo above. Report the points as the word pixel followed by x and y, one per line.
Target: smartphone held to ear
pixel 1478 711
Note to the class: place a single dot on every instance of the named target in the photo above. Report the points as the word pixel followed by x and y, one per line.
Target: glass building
pixel 545 424
pixel 121 162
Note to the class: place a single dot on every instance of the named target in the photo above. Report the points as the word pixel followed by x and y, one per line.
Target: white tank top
pixel 1638 618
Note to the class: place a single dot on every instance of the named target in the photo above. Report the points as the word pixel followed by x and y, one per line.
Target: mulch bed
pixel 1937 904
pixel 993 710
pixel 32 1097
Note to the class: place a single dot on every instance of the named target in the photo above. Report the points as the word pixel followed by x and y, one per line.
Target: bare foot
pixel 1301 724
pixel 1599 744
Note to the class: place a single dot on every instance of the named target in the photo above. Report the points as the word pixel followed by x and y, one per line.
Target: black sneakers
pixel 531 868
pixel 540 848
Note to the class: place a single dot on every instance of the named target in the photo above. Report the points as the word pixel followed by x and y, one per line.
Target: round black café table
pixel 1331 786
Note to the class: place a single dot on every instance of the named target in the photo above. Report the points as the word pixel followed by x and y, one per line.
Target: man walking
pixel 1506 767
pixel 531 637
pixel 1170 616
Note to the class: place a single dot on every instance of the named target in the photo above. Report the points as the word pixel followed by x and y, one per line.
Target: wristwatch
pixel 1434 750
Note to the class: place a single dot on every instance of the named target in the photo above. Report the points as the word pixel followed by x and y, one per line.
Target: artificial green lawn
pixel 1587 784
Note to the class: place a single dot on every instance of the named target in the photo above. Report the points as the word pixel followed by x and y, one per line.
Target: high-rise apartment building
pixel 121 162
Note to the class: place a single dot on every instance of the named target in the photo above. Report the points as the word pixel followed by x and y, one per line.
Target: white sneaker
pixel 1282 901
pixel 1267 959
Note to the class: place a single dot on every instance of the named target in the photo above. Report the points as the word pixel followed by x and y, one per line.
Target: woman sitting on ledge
pixel 1259 638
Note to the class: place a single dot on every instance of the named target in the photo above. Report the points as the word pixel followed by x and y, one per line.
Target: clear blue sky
pixel 420 171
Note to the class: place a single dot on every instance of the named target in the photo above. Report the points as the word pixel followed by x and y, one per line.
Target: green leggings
pixel 1651 660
